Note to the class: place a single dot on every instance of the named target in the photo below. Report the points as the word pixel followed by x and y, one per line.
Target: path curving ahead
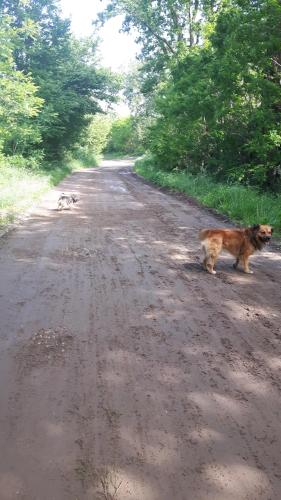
pixel 127 372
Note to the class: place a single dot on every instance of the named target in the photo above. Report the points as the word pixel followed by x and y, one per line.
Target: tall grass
pixel 21 186
pixel 242 204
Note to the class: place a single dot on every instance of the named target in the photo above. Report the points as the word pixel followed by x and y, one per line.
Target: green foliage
pixel 124 137
pixel 94 140
pixel 96 134
pixel 85 156
pixel 210 85
pixel 72 92
pixel 242 204
pixel 120 138
pixel 19 103
pixel 50 83
pixel 51 89
pixel 162 26
pixel 141 106
pixel 222 103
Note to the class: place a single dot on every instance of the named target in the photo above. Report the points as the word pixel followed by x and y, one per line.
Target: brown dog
pixel 239 242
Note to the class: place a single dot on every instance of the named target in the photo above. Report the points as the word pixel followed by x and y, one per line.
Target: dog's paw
pixel 249 272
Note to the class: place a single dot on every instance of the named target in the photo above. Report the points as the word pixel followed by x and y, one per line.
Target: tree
pixel 19 102
pixel 124 137
pixel 65 71
pixel 211 76
pixel 95 136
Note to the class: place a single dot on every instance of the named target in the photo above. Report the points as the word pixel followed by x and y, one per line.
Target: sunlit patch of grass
pixel 242 204
pixel 21 187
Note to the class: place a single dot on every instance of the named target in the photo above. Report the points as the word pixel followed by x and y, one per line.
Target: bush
pixel 124 137
pixel 242 204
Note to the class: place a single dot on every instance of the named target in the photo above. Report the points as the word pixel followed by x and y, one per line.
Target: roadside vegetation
pixel 21 187
pixel 124 138
pixel 51 94
pixel 244 205
pixel 205 99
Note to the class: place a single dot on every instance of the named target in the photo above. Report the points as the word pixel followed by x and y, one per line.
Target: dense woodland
pixel 51 85
pixel 205 94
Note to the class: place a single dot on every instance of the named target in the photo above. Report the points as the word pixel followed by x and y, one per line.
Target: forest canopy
pixel 205 95
pixel 51 84
pixel 209 85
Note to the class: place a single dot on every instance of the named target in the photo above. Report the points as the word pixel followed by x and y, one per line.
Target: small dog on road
pixel 241 243
pixel 66 201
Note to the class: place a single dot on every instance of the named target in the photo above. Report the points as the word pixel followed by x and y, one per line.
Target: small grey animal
pixel 66 201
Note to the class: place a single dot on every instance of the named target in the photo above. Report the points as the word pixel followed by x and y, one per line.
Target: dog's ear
pixel 255 227
pixel 271 230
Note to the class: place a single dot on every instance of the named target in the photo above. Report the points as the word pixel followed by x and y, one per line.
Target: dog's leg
pixel 209 260
pixel 246 265
pixel 204 261
pixel 210 263
pixel 211 253
pixel 235 265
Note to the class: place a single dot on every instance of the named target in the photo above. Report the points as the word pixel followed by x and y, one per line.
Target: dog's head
pixel 262 232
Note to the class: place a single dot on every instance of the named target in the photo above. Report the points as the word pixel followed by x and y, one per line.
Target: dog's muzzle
pixel 265 239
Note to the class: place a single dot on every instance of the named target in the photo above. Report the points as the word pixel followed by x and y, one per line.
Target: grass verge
pixel 21 187
pixel 242 204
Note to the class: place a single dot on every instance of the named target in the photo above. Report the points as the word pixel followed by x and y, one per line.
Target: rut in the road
pixel 126 371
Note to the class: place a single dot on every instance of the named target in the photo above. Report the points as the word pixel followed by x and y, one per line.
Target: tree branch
pixel 275 62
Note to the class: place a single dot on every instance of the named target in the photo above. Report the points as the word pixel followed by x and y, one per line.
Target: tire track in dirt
pixel 126 371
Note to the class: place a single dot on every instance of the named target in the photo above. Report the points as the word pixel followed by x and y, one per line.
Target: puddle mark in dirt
pixel 46 347
pixel 74 253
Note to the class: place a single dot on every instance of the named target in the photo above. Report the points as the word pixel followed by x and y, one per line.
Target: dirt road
pixel 126 372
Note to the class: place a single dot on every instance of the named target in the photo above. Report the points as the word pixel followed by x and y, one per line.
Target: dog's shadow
pixel 194 267
pixel 197 267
